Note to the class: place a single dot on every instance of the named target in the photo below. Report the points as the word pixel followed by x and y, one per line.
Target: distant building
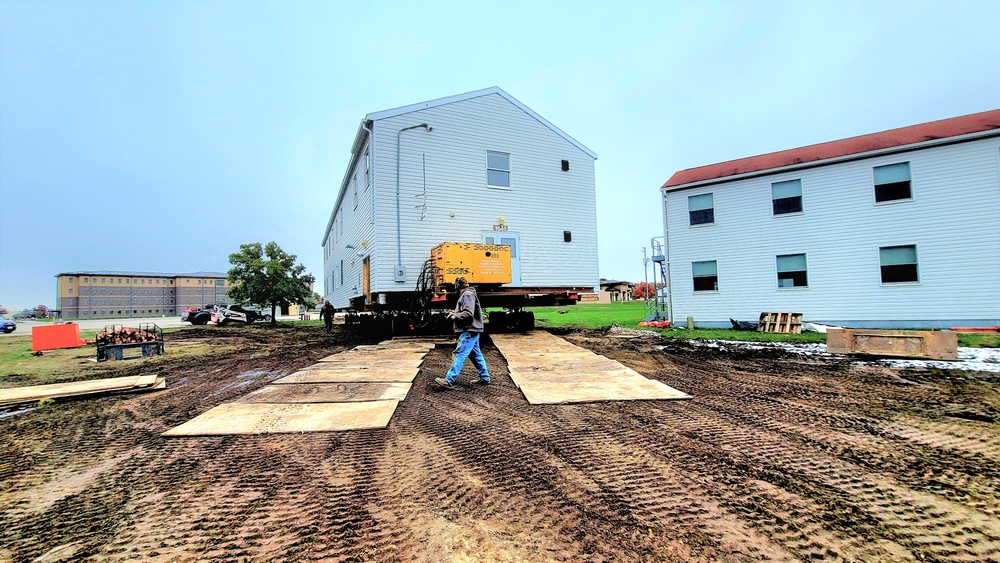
pixel 898 229
pixel 614 291
pixel 109 294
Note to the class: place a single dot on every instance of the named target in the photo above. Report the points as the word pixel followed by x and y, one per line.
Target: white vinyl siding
pixel 454 154
pixel 443 198
pixel 954 224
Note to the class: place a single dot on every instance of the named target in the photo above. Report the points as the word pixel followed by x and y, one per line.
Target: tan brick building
pixel 108 294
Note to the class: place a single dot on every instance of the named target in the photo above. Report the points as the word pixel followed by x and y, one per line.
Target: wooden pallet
pixel 788 323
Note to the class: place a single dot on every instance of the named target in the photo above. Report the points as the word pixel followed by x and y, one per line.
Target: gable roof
pixel 812 155
pixel 364 130
pixel 470 95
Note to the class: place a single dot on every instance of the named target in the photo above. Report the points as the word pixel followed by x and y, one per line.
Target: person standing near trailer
pixel 326 313
pixel 467 322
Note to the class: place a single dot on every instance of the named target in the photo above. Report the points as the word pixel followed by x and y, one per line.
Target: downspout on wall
pixel 400 275
pixel 666 257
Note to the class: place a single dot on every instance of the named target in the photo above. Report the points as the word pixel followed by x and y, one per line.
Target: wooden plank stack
pixel 786 323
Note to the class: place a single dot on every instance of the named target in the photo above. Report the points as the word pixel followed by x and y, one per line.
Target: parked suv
pixel 7 326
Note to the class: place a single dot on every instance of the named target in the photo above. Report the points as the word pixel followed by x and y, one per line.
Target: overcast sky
pixel 159 136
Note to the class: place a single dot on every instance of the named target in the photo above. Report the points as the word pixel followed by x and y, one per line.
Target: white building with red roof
pixel 898 229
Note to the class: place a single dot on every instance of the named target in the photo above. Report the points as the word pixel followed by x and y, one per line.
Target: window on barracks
pixel 497 169
pixel 705 275
pixel 786 197
pixel 892 182
pixel 701 209
pixel 898 264
pixel 792 270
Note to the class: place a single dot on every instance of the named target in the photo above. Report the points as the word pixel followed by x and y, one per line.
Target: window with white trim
pixel 898 264
pixel 705 275
pixel 701 209
pixel 497 169
pixel 792 270
pixel 892 182
pixel 786 197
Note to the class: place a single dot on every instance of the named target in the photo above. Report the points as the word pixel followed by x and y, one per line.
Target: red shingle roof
pixel 941 129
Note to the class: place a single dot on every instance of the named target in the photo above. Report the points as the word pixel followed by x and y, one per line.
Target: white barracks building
pixel 898 229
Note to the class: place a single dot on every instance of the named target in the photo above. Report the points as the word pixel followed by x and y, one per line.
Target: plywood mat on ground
pixel 351 374
pixel 550 370
pixel 270 418
pixel 327 393
pixel 356 389
pixel 16 395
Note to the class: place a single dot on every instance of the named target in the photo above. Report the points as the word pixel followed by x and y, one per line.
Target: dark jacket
pixel 468 315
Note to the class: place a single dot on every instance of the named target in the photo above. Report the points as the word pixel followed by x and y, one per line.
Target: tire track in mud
pixel 916 519
pixel 774 460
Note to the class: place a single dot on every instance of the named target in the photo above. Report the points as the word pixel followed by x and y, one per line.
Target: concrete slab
pixel 269 418
pixel 327 393
pixel 549 370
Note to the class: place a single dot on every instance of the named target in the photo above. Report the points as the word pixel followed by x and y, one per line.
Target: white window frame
pixel 909 169
pixel 802 206
pixel 778 272
pixel 707 223
pixel 510 174
pixel 916 254
pixel 695 290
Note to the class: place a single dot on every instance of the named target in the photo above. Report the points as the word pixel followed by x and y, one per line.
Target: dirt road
pixel 777 457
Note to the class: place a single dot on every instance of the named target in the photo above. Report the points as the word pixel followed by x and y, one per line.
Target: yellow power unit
pixel 477 262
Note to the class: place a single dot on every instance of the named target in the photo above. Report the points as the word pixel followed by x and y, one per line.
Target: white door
pixel 513 240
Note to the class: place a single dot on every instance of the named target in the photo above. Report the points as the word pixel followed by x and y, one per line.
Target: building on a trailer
pixel 475 167
pixel 898 229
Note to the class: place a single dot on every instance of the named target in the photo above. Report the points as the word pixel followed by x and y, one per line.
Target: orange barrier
pixel 55 336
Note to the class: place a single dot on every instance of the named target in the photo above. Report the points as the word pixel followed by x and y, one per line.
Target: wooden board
pixel 587 390
pixel 269 418
pixel 16 395
pixel 549 370
pixel 328 393
pixel 350 375
pixel 927 344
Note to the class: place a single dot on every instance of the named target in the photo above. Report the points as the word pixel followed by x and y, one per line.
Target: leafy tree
pixel 643 290
pixel 268 276
pixel 41 312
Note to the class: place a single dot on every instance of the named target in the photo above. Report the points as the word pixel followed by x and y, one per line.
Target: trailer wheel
pixel 525 321
pixel 267 318
pixel 498 322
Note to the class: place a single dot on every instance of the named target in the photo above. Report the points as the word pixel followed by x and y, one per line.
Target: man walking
pixel 467 321
pixel 326 313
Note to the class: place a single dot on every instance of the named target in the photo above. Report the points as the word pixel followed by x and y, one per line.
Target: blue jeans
pixel 468 343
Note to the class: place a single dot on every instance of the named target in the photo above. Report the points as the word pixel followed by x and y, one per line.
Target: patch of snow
pixel 969 359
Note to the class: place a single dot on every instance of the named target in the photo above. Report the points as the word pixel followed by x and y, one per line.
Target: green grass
pixel 628 315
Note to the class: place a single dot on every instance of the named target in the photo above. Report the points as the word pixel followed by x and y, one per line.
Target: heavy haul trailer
pixel 487 267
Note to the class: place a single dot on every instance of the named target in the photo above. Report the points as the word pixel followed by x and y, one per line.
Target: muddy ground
pixel 777 457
